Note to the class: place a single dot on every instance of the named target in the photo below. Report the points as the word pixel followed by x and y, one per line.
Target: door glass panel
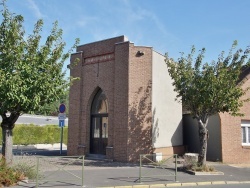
pixel 96 128
pixel 105 127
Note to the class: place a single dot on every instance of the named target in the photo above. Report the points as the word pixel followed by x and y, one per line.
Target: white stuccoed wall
pixel 167 113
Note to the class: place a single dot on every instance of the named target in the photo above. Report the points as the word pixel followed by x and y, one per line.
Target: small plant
pixel 25 164
pixel 202 168
pixel 23 167
pixel 26 169
pixel 8 175
pixel 191 163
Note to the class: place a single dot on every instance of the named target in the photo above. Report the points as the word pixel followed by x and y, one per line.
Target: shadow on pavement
pixel 39 152
pixel 56 153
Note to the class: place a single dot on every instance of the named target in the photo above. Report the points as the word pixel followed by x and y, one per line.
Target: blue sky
pixel 168 26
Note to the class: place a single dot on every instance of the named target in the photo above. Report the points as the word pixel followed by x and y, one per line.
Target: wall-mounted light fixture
pixel 139 53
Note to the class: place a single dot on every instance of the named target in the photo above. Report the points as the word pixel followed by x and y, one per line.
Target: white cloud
pixel 32 5
pixel 86 20
pixel 146 24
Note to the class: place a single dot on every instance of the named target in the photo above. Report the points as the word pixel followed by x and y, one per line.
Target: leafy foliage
pixel 206 89
pixel 31 73
pixel 52 109
pixel 209 88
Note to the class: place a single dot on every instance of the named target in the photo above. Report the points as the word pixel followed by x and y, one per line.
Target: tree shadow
pixel 155 129
pixel 140 124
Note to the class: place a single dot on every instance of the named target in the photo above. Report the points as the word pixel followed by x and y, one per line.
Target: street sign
pixel 61 116
pixel 62 108
pixel 61 123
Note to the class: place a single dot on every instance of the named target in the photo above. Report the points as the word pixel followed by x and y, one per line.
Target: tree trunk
pixel 7 144
pixel 8 123
pixel 203 136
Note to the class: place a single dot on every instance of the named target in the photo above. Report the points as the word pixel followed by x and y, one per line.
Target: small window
pixel 245 132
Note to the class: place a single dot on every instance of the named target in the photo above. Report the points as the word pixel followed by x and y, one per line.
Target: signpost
pixel 61 118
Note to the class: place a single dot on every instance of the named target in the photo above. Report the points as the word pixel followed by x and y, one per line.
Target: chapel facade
pixel 123 104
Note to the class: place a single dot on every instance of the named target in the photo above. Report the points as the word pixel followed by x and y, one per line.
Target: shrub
pixel 23 167
pixel 191 163
pixel 26 164
pixel 202 168
pixel 33 134
pixel 8 175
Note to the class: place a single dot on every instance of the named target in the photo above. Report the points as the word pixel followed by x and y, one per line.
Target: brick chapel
pixel 123 104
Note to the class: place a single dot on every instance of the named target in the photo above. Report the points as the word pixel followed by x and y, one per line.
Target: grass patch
pixel 203 168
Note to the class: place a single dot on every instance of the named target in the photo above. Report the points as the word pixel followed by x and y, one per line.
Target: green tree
pixel 31 73
pixel 206 89
pixel 53 108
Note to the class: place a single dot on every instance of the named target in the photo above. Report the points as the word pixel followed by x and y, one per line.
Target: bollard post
pixel 140 168
pixel 82 171
pixel 175 168
pixel 37 170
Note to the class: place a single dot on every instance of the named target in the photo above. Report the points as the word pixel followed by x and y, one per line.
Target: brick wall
pixel 100 47
pixel 96 71
pixel 139 109
pixel 92 81
pixel 232 149
pixel 74 106
pixel 121 101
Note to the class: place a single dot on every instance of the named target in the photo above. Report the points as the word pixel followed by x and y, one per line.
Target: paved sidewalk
pixel 123 175
pixel 105 174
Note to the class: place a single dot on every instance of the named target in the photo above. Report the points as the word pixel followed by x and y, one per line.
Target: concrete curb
pixel 204 173
pixel 55 146
pixel 182 184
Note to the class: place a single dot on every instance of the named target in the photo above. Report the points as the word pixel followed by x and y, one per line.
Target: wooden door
pixel 99 135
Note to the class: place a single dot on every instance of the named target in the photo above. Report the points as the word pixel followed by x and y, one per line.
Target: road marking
pixel 218 182
pixel 204 183
pixel 189 184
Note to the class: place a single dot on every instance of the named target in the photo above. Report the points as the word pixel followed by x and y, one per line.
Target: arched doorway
pixel 99 124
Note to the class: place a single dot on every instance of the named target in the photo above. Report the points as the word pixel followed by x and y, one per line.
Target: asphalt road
pixel 38 120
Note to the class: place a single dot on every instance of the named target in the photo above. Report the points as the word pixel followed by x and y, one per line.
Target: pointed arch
pixel 99 103
pixel 99 123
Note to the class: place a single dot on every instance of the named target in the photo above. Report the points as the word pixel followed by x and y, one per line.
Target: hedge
pixel 33 134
